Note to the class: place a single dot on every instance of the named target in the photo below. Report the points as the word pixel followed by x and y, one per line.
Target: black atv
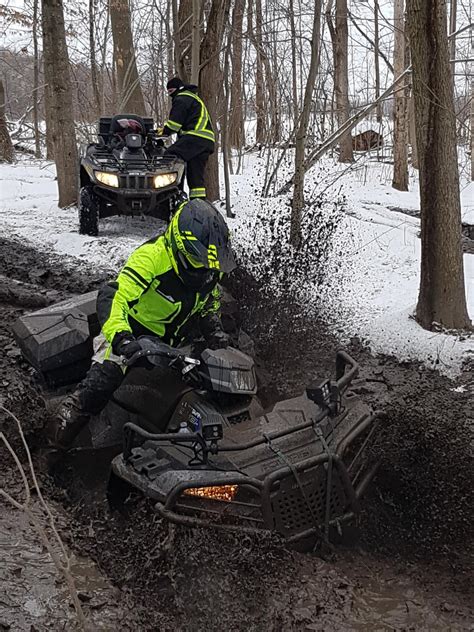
pixel 189 432
pixel 126 173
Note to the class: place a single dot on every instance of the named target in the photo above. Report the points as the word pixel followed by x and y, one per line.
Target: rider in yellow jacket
pixel 167 286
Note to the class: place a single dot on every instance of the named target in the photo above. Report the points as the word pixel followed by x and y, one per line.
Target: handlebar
pixel 152 348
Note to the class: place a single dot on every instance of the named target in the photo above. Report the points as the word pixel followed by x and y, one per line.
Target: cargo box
pixel 57 340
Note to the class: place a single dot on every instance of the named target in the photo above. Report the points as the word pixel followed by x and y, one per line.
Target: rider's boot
pixel 90 398
pixel 70 420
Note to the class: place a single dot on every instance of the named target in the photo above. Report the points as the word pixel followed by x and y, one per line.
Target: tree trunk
pixel 452 29
pixel 130 96
pixel 94 73
pixel 183 37
pixel 58 77
pixel 472 115
pixel 210 82
pixel 260 134
pixel 339 38
pixel 300 144
pixel 236 118
pixel 196 42
pixel 400 138
pixel 377 60
pixel 442 296
pixel 36 81
pixel 412 132
pixel 7 153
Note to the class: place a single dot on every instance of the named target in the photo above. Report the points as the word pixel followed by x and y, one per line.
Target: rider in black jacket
pixel 190 119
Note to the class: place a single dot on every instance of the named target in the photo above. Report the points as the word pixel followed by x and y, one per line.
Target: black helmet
pixel 198 243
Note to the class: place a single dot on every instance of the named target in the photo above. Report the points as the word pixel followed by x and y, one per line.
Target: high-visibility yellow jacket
pixel 148 297
pixel 189 116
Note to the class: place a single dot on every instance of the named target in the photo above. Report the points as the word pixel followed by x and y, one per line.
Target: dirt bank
pixel 195 580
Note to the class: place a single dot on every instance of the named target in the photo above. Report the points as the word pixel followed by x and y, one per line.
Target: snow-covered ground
pixel 372 272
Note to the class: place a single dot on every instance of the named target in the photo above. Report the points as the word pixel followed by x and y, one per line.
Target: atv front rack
pixel 104 157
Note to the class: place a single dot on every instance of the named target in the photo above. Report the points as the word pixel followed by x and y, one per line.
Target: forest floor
pixel 411 568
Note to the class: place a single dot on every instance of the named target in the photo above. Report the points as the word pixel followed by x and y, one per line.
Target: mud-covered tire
pixel 89 212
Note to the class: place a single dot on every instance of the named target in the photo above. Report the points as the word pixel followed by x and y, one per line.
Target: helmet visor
pixel 217 256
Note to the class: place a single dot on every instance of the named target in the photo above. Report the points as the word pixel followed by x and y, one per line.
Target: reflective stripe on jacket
pixel 189 115
pixel 149 291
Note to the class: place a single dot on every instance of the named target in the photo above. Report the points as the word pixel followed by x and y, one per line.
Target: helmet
pixel 198 242
pixel 128 126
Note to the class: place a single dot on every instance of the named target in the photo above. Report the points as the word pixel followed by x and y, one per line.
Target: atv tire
pixel 89 211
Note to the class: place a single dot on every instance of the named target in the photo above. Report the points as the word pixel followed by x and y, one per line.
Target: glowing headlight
pixel 109 179
pixel 164 180
pixel 225 493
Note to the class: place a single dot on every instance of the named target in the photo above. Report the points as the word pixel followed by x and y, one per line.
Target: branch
pixel 371 42
pixel 351 122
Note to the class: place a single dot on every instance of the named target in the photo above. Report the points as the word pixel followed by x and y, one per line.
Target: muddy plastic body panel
pixel 57 340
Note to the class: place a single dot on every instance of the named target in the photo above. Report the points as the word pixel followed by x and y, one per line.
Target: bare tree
pixel 210 81
pixel 92 52
pixel 36 80
pixel 300 144
pixel 7 153
pixel 339 38
pixel 195 42
pixel 236 117
pixel 128 81
pixel 376 60
pixel 400 136
pixel 255 33
pixel 442 296
pixel 182 26
pixel 60 102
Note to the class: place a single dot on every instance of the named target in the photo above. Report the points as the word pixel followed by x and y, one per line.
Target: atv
pixel 188 431
pixel 127 173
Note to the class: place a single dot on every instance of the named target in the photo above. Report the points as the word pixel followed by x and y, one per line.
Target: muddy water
pixel 34 596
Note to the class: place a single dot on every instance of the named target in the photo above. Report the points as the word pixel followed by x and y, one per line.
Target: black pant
pixel 195 152
pixel 100 383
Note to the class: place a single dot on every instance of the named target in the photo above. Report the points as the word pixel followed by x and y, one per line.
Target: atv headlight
pixel 109 179
pixel 242 380
pixel 164 180
pixel 225 493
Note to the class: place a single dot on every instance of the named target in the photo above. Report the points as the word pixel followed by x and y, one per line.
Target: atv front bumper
pixel 300 501
pixel 133 201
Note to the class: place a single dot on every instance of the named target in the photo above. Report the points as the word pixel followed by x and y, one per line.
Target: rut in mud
pixel 418 511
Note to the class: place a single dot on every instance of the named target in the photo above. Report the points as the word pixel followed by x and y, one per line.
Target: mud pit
pixel 409 571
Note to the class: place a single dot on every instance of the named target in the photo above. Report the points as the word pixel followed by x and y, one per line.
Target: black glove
pixel 218 340
pixel 125 344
